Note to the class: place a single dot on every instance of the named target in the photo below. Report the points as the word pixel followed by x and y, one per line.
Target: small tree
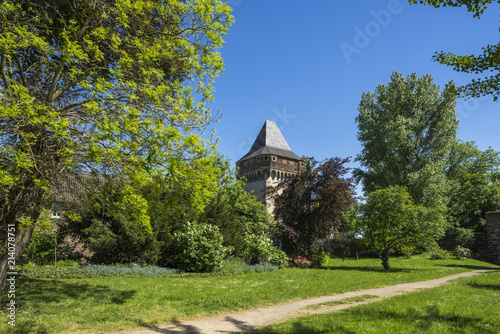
pixel 389 219
pixel 309 206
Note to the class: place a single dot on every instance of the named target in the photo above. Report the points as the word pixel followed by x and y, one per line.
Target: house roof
pixel 270 141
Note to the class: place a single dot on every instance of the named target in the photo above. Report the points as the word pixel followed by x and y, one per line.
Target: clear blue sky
pixel 284 62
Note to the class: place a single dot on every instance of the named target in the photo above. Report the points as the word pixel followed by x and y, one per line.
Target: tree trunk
pixel 24 201
pixel 385 260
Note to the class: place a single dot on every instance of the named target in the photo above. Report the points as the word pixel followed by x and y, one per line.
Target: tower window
pixel 56 211
pixel 274 158
pixel 265 158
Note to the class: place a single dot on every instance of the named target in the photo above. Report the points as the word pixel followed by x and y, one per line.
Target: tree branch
pixel 4 75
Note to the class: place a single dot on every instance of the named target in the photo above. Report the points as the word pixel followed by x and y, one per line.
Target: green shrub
pixel 439 254
pixel 465 237
pixel 40 249
pixel 462 253
pixel 66 263
pixel 319 257
pixel 237 266
pixel 198 249
pixel 260 249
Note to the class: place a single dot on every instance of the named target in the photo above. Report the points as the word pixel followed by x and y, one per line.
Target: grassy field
pixel 107 304
pixel 467 305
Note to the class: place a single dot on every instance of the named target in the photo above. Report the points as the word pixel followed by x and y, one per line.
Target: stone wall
pixel 493 236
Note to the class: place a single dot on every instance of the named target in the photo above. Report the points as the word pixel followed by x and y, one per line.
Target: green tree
pixel 406 129
pixel 107 222
pixel 389 219
pixel 487 61
pixel 238 215
pixel 309 206
pixel 112 86
pixel 474 178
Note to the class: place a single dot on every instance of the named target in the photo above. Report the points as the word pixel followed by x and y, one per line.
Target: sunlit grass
pixel 467 305
pixel 116 303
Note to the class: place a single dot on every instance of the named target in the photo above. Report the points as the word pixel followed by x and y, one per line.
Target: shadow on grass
pixel 34 291
pixel 495 287
pixel 470 267
pixel 28 327
pixel 190 329
pixel 370 269
pixel 422 321
pixel 179 328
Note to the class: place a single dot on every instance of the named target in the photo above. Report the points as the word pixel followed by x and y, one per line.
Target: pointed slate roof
pixel 270 141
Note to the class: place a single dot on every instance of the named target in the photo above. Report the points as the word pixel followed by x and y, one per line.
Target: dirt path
pixel 246 320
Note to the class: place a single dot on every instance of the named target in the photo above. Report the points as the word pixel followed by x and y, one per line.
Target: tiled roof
pixel 270 141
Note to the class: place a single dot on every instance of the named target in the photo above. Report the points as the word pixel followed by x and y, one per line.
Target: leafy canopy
pixel 389 219
pixel 110 86
pixel 406 129
pixel 474 178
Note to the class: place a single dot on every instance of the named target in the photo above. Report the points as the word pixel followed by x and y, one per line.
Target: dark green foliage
pixel 465 237
pixel 40 250
pixel 111 228
pixel 243 222
pixel 319 257
pixel 390 220
pixel 474 179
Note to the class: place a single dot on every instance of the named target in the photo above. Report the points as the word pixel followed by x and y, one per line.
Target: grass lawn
pixel 466 305
pixel 115 303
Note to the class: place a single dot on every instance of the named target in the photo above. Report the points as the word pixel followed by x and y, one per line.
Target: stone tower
pixel 269 160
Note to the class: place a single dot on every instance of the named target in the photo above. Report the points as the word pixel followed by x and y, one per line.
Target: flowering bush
pixel 462 253
pixel 198 249
pixel 301 262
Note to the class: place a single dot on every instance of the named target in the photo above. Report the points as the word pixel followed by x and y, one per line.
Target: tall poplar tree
pixel 109 86
pixel 407 128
